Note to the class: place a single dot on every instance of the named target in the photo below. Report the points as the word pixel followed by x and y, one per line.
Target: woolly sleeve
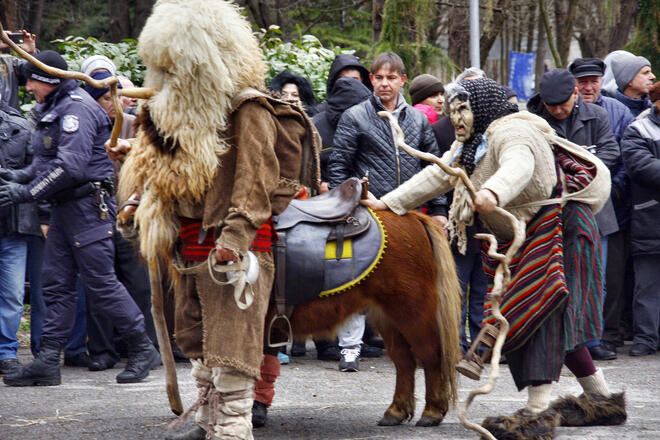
pixel 256 176
pixel 515 171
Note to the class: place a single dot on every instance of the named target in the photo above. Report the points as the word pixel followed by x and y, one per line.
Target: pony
pixel 413 298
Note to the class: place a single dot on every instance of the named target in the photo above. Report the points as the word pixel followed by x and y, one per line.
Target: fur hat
pixel 49 58
pixel 625 67
pixel 423 86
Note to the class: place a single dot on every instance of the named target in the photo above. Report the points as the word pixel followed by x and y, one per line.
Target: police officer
pixel 72 169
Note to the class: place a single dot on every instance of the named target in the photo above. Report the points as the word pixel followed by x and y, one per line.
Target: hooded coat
pixel 341 62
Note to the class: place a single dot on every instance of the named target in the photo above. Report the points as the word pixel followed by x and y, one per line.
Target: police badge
pixel 70 123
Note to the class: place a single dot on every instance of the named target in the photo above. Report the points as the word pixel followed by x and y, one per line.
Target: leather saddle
pixel 324 245
pixel 307 226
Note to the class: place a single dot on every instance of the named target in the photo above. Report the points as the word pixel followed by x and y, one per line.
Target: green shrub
pixel 124 54
pixel 306 57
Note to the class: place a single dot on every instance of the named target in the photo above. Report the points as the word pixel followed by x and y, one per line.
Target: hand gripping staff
pixel 172 385
pixel 502 277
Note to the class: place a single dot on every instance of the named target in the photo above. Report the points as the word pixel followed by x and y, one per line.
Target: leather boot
pixel 43 371
pixel 196 433
pixel 142 357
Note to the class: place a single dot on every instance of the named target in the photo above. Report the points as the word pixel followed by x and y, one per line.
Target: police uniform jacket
pixel 69 142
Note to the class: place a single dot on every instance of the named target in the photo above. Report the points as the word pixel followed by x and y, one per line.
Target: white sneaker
pixel 350 359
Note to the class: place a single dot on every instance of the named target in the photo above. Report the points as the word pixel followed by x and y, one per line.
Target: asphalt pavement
pixel 313 401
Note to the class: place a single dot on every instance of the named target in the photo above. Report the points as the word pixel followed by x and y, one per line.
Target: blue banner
pixel 521 74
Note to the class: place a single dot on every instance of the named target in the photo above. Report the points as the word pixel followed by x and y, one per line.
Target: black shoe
pixel 43 371
pixel 600 353
pixel 179 357
pixel 142 357
pixel 77 360
pixel 329 353
pixel 101 363
pixel 607 345
pixel 640 350
pixel 350 359
pixel 9 366
pixel 196 433
pixel 298 349
pixel 259 414
pixel 368 351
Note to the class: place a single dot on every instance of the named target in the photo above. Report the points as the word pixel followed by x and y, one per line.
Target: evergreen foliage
pixel 647 35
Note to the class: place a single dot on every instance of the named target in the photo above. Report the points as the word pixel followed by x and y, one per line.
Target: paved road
pixel 313 401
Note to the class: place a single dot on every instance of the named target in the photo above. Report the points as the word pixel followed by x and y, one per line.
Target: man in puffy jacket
pixel 363 144
pixel 640 148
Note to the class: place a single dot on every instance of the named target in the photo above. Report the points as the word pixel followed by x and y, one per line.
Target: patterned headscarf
pixel 488 102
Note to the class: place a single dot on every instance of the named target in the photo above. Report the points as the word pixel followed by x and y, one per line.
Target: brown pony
pixel 413 297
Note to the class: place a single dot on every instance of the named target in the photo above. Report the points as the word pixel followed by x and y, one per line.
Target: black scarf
pixel 488 103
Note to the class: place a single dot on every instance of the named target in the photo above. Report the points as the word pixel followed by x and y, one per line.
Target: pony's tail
pixel 449 304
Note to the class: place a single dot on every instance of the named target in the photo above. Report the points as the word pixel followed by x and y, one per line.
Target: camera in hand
pixel 16 37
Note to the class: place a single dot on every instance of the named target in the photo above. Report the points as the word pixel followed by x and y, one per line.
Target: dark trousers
pixel 133 274
pixel 80 242
pixel 646 300
pixel 474 285
pixel 619 266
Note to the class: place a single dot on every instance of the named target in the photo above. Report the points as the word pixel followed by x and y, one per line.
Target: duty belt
pixel 85 189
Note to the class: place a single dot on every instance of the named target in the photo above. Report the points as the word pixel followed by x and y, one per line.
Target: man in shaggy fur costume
pixel 510 158
pixel 213 159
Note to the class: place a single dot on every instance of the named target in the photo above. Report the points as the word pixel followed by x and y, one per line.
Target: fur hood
pixel 199 54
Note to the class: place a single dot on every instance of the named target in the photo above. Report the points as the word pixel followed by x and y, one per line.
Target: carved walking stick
pixel 502 274
pixel 167 357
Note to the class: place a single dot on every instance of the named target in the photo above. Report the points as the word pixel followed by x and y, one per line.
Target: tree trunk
pixel 34 20
pixel 120 20
pixel 565 13
pixel 620 34
pixel 532 21
pixel 9 15
pixel 142 12
pixel 459 37
pixel 493 29
pixel 376 19
pixel 539 60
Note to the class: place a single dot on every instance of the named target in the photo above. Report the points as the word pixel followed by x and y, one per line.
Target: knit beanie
pixel 95 92
pixel 97 62
pixel 625 67
pixel 423 86
pixel 50 58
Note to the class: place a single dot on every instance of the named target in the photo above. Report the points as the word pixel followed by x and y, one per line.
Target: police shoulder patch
pixel 70 123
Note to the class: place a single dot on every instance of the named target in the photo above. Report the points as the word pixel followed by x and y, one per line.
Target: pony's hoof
pixel 426 421
pixel 389 420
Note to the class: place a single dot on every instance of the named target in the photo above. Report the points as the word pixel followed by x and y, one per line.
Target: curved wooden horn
pixel 112 81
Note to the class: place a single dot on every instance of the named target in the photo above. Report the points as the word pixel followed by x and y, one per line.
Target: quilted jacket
pixel 364 143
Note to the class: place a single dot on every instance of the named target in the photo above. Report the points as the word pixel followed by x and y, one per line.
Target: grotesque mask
pixel 461 116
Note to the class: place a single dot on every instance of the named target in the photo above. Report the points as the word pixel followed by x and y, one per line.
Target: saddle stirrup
pixel 279 293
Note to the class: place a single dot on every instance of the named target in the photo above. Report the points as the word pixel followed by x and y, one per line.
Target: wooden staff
pixel 502 273
pixel 167 357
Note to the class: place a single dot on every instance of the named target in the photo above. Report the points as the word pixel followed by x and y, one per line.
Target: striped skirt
pixel 583 267
pixel 538 286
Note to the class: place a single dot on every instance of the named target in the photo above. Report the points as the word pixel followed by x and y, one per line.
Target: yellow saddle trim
pixel 331 249
pixel 372 266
